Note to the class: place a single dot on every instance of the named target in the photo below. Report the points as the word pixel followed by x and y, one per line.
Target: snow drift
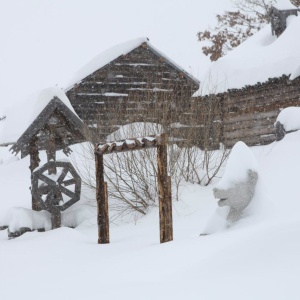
pixel 260 57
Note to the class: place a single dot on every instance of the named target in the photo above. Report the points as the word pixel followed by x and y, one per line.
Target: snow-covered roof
pixel 18 118
pixel 284 5
pixel 113 53
pixel 259 58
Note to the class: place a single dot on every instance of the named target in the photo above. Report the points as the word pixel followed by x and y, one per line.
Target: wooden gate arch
pixel 164 183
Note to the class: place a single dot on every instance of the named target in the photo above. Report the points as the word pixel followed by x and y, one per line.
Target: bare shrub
pixel 132 176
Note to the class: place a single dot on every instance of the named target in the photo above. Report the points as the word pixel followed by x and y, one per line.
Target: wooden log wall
pixel 250 113
pixel 247 114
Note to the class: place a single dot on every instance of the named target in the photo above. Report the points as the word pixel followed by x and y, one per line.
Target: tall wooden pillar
pixel 51 150
pixel 34 163
pixel 102 201
pixel 164 191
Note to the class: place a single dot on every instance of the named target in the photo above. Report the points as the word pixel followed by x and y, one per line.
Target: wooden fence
pixel 246 114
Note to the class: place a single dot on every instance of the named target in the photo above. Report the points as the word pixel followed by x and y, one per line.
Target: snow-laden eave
pixel 124 51
pixel 21 116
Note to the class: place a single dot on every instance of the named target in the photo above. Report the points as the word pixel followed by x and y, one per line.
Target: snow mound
pixel 259 58
pixel 75 216
pixel 19 217
pixel 19 117
pixel 289 118
pixel 240 161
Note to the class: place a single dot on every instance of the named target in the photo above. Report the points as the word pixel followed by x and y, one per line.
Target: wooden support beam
pixel 34 163
pixel 56 218
pixel 164 191
pixel 102 201
pixel 51 150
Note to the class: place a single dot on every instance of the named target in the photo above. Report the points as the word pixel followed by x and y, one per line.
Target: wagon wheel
pixel 58 191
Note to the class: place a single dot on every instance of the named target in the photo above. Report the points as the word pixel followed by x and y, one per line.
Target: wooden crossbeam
pixel 129 144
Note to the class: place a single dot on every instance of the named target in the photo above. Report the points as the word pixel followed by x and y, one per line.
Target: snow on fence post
pixel 102 201
pixel 164 190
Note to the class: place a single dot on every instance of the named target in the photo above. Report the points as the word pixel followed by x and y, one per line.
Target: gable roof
pixel 73 126
pixel 16 118
pixel 113 53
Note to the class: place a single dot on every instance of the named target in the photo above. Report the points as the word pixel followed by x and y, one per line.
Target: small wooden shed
pixel 56 125
pixel 55 128
pixel 131 82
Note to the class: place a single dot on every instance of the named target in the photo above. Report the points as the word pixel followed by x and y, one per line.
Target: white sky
pixel 44 42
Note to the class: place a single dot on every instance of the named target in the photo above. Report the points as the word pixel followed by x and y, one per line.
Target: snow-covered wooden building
pixel 255 81
pixel 131 82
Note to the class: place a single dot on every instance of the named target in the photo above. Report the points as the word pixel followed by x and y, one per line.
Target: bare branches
pixel 234 27
pixel 132 176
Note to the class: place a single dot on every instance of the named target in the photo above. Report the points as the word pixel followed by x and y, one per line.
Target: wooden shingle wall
pixel 138 87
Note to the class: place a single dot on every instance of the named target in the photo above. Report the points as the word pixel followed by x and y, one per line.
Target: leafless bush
pixel 132 176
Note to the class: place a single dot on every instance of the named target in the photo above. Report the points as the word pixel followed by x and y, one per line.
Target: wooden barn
pixel 132 82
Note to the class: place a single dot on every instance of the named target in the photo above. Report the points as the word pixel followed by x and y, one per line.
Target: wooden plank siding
pixel 141 86
pixel 249 114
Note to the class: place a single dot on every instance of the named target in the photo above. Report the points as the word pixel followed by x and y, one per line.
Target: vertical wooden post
pixel 51 151
pixel 102 201
pixel 34 163
pixel 164 191
pixel 56 218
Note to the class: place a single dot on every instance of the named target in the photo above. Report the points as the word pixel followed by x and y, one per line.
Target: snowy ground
pixel 249 261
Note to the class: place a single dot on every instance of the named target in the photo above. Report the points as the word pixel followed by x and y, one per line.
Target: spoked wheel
pixel 56 192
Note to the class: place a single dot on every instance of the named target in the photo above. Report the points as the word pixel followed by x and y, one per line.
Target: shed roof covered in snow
pixel 57 122
pixel 259 58
pixel 49 108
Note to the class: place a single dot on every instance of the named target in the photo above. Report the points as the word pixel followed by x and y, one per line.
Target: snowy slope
pixel 260 57
pixel 249 261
